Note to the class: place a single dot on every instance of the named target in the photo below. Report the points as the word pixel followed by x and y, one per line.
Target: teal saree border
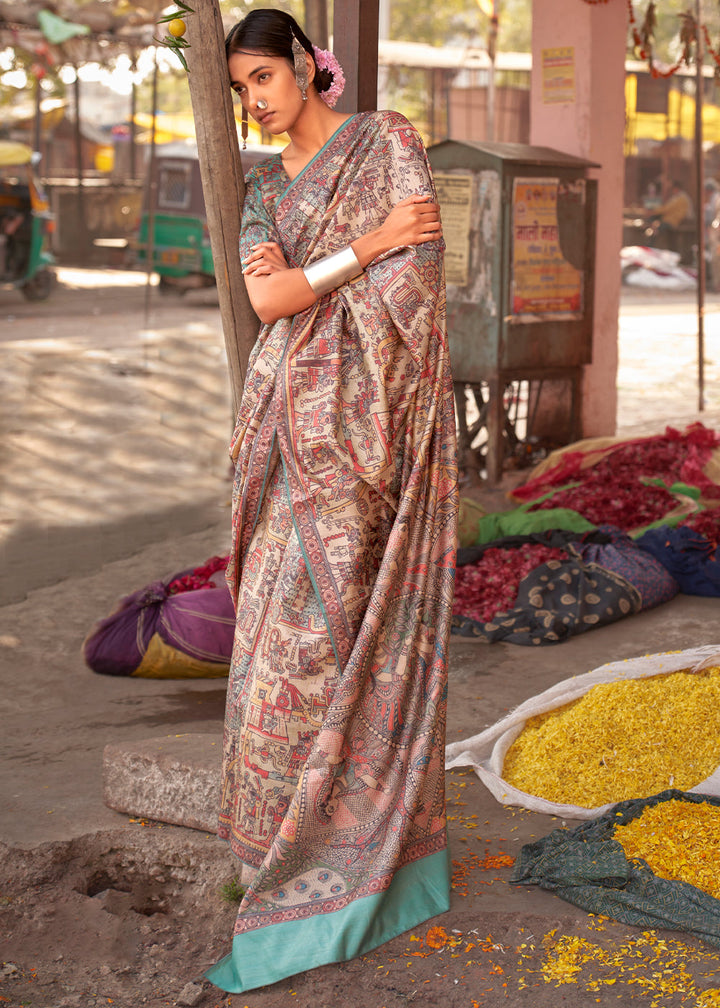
pixel 311 572
pixel 417 892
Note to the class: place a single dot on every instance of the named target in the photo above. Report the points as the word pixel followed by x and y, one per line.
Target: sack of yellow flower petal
pixel 596 866
pixel 626 730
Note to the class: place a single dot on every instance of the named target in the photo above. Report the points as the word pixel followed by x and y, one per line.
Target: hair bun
pixel 329 79
pixel 324 79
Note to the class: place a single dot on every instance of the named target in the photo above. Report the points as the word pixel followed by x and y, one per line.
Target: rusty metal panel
pixel 471 206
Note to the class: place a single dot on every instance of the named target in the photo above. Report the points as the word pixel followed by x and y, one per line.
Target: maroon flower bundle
pixel 490 585
pixel 199 577
pixel 620 488
pixel 706 523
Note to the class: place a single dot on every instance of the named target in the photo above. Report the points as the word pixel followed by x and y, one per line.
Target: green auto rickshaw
pixel 173 224
pixel 25 224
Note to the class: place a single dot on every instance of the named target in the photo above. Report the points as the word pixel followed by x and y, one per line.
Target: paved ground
pixel 114 474
pixel 115 413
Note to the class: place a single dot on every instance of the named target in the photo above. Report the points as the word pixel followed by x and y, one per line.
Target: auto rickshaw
pixel 25 224
pixel 174 223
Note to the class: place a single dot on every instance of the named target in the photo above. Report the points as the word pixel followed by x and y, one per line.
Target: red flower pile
pixel 200 577
pixel 616 490
pixel 490 585
pixel 706 523
pixel 625 505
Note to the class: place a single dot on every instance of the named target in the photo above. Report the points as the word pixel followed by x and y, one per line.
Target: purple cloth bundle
pixel 623 556
pixel 155 634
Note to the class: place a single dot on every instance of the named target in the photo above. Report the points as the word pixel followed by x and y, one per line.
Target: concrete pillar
pixel 577 105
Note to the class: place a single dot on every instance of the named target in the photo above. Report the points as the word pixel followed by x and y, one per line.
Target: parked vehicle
pixel 25 224
pixel 173 224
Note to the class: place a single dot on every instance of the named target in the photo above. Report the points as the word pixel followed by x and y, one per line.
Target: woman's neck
pixel 310 133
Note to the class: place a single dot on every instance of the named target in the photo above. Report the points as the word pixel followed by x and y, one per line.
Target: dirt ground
pixel 114 423
pixel 129 919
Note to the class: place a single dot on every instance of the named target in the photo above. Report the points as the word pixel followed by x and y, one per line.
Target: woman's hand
pixel 412 221
pixel 275 289
pixel 264 258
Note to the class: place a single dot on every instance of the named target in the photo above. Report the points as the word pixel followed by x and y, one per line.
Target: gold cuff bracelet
pixel 332 271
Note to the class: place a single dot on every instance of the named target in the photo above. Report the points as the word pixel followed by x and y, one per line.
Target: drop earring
pixel 301 74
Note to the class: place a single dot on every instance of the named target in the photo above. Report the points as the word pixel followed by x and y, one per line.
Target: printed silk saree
pixel 344 531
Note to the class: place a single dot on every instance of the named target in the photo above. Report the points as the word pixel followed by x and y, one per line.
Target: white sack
pixel 485 752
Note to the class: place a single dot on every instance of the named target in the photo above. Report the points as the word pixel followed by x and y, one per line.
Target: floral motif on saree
pixel 344 533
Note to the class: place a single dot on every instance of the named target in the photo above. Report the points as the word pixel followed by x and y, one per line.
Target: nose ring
pixel 262 104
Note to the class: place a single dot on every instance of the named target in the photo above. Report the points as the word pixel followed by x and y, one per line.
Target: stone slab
pixel 173 779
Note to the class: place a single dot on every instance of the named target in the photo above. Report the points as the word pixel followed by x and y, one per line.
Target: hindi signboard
pixel 543 283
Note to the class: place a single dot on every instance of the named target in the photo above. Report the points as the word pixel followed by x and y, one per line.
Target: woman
pixel 344 522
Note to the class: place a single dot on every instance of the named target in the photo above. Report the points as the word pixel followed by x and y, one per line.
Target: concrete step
pixel 171 778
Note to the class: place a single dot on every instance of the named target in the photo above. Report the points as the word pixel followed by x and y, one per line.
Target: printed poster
pixel 558 75
pixel 454 193
pixel 543 282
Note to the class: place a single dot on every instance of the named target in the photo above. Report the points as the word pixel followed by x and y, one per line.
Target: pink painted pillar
pixel 580 109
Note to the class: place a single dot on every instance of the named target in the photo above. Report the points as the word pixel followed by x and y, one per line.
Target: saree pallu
pixel 342 566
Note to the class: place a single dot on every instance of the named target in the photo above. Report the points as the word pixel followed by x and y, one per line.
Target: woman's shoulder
pixel 396 137
pixel 264 170
pixel 386 120
pixel 393 128
pixel 266 181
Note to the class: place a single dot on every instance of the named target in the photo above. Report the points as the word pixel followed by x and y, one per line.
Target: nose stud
pixel 262 104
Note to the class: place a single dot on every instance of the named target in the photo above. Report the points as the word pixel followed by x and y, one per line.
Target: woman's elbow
pixel 267 311
pixel 278 296
pixel 270 310
pixel 266 315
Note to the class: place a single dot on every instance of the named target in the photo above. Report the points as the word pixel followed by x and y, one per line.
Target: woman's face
pixel 256 77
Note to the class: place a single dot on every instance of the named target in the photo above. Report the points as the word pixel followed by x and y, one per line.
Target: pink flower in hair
pixel 326 60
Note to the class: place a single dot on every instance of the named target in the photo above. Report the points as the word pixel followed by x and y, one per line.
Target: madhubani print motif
pixel 344 530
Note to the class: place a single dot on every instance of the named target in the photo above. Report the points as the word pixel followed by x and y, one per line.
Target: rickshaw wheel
pixel 39 287
pixel 168 288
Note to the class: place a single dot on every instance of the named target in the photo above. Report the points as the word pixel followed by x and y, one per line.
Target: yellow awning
pixel 678 121
pixel 178 127
pixel 171 127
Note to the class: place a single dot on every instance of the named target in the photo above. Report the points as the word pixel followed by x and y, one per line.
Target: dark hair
pixel 271 31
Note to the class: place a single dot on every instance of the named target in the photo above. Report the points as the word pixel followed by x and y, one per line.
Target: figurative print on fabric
pixel 344 533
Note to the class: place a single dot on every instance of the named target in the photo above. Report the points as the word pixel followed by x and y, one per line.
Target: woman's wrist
pixel 332 271
pixel 369 246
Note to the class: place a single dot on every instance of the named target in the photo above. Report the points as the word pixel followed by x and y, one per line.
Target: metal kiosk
pixel 519 226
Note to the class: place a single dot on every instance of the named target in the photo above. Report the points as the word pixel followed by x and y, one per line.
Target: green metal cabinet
pixel 519 226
